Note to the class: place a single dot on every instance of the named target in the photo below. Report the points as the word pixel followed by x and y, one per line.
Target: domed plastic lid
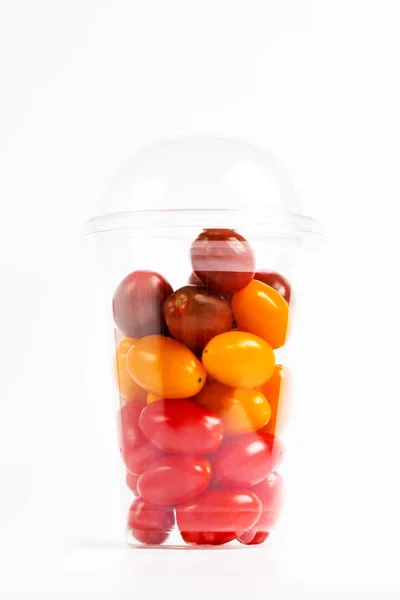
pixel 228 181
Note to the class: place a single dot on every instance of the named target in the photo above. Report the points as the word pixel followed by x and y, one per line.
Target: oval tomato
pixel 207 538
pixel 238 359
pixel 128 388
pixel 174 479
pixel 194 315
pixel 136 450
pixel 276 281
pixel 241 411
pixel 277 392
pixel 181 427
pixel 150 524
pixel 270 493
pixel 222 259
pixel 131 482
pixel 165 367
pixel 137 303
pixel 245 460
pixel 219 510
pixel 261 310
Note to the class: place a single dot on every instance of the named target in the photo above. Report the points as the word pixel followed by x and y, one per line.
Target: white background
pixel 83 84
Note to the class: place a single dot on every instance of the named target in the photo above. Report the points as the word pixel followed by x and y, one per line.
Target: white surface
pixel 83 85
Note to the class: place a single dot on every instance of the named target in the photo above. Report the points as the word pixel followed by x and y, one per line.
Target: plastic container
pixel 202 373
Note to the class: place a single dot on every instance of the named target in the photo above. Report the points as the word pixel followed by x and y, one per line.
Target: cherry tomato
pixel 219 510
pixel 131 482
pixel 137 303
pixel 241 411
pixel 276 281
pixel 251 538
pixel 181 427
pixel 270 492
pixel 174 479
pixel 261 310
pixel 136 450
pixel 152 398
pixel 128 388
pixel 277 392
pixel 222 259
pixel 150 524
pixel 245 460
pixel 238 359
pixel 207 538
pixel 165 367
pixel 194 315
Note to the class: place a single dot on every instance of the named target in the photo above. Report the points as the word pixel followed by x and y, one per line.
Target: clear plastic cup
pixel 198 240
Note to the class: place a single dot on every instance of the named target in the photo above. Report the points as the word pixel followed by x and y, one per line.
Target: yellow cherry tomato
pixel 239 359
pixel 241 411
pixel 261 310
pixel 152 398
pixel 165 367
pixel 278 393
pixel 128 388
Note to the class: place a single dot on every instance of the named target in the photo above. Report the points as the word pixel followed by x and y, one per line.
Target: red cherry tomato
pixel 175 479
pixel 276 281
pixel 131 482
pixel 219 510
pixel 137 303
pixel 150 524
pixel 245 460
pixel 181 427
pixel 252 538
pixel 136 450
pixel 207 538
pixel 223 260
pixel 194 315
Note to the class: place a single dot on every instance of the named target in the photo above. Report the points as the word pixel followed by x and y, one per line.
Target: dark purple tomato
pixel 252 538
pixel 181 427
pixel 150 524
pixel 131 481
pixel 194 316
pixel 138 301
pixel 136 450
pixel 223 260
pixel 276 281
pixel 247 459
pixel 207 538
pixel 174 479
pixel 219 510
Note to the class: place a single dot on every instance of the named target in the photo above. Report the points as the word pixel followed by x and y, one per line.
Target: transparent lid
pixel 226 180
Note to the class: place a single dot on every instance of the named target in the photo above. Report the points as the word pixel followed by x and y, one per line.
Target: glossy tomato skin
pixel 219 510
pixel 128 388
pixel 241 410
pixel 136 450
pixel 223 260
pixel 181 426
pixel 276 281
pixel 246 460
pixel 137 303
pixel 150 524
pixel 253 538
pixel 277 390
pixel 239 359
pixel 131 482
pixel 207 538
pixel 261 310
pixel 174 479
pixel 165 367
pixel 194 315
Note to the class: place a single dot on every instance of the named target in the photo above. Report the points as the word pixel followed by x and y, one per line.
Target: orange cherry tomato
pixel 277 392
pixel 165 367
pixel 241 410
pixel 261 310
pixel 152 398
pixel 238 359
pixel 128 388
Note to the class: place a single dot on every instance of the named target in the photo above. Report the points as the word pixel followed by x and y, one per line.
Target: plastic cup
pixel 198 241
